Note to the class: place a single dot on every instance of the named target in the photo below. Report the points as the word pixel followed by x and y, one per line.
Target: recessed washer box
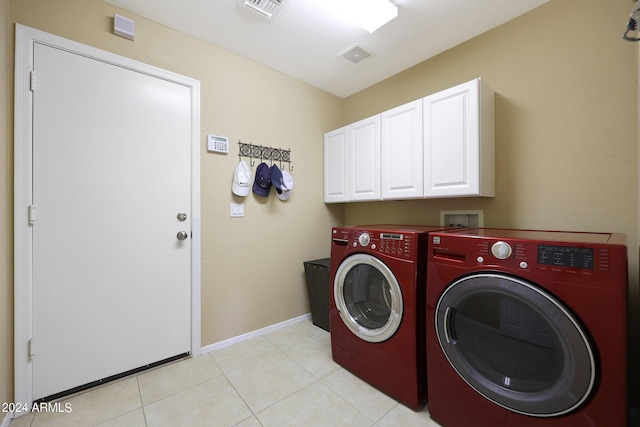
pixel 469 219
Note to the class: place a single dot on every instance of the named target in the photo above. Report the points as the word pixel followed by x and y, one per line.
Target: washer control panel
pixel 396 244
pixel 389 243
pixel 364 239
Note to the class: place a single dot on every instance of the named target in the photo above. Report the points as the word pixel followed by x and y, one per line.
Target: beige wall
pixel 566 125
pixel 252 268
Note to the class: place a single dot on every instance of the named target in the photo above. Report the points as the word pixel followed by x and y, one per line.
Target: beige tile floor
pixel 282 378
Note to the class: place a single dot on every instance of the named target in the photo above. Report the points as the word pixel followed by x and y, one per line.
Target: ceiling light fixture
pixel 369 14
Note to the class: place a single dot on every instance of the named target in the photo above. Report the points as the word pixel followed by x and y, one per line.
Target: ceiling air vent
pixel 266 8
pixel 356 53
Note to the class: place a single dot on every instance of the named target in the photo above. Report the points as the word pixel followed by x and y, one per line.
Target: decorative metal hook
pixel 289 159
pixel 275 155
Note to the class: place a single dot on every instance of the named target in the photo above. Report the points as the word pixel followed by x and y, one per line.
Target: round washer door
pixel 515 344
pixel 368 297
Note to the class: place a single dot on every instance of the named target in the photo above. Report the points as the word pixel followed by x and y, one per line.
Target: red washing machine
pixel 377 316
pixel 527 328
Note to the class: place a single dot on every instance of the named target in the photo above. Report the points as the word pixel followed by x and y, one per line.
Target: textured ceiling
pixel 304 39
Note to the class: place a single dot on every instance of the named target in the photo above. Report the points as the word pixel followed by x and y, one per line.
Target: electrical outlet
pixel 237 210
pixel 469 219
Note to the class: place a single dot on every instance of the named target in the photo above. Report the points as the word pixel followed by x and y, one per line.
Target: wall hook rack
pixel 274 155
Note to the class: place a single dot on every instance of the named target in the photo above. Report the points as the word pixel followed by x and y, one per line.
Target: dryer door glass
pixel 515 344
pixel 368 297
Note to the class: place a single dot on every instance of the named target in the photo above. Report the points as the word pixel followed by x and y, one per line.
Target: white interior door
pixel 111 286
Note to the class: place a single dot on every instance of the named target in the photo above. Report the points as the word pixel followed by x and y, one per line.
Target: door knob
pixel 182 235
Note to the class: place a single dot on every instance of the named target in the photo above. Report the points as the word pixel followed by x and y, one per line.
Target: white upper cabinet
pixel 364 159
pixel 459 141
pixel 439 146
pixel 336 158
pixel 402 167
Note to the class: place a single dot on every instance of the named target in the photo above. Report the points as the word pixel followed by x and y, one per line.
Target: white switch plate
pixel 237 210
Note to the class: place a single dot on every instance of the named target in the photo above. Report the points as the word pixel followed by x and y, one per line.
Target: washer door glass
pixel 515 344
pixel 368 297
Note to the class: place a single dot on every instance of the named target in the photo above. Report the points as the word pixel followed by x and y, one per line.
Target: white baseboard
pixel 249 335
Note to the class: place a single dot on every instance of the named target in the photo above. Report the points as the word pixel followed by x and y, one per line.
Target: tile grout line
pixel 320 381
pixel 255 414
pixel 281 350
pixel 144 414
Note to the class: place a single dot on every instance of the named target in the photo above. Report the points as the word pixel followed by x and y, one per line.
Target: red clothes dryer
pixel 527 328
pixel 377 314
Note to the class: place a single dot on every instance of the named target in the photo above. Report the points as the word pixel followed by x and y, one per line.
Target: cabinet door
pixel 336 156
pixel 401 152
pixel 458 148
pixel 364 159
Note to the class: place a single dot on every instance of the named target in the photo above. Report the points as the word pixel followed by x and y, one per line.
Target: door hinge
pixel 32 214
pixel 32 81
pixel 32 348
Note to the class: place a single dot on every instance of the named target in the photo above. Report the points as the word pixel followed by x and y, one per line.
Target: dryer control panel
pixel 566 256
pixel 543 256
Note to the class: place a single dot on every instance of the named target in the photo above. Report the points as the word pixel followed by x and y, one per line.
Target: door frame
pixel 26 38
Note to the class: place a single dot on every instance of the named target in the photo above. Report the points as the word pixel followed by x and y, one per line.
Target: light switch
pixel 237 210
